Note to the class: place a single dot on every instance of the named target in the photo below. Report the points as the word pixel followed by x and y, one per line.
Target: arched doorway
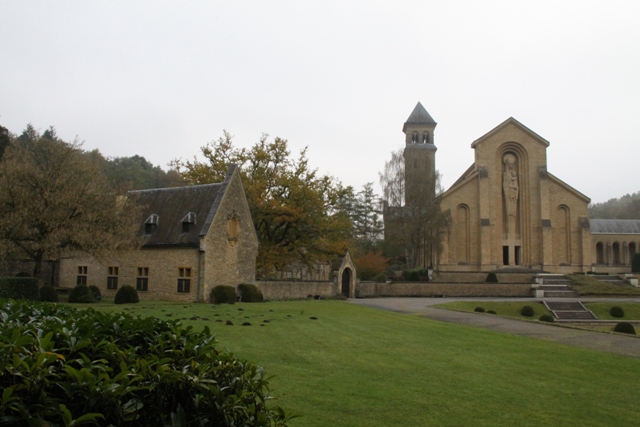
pixel 346 282
pixel 616 253
pixel 599 253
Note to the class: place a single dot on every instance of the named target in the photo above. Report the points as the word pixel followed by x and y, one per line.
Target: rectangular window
pixel 82 275
pixel 112 278
pixel 184 279
pixel 142 280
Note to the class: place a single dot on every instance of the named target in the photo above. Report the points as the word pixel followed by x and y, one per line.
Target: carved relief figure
pixel 510 188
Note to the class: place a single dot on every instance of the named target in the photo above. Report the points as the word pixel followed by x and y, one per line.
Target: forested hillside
pixel 625 207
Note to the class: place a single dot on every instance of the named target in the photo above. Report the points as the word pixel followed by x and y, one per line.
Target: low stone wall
pixel 476 277
pixel 414 289
pixel 286 290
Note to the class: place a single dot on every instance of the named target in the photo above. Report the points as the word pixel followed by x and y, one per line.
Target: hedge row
pixel 19 288
pixel 62 366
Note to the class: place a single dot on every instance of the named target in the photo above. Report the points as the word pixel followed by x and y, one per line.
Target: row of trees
pixel 625 207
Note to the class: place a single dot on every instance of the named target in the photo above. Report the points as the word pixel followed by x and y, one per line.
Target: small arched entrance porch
pixel 346 283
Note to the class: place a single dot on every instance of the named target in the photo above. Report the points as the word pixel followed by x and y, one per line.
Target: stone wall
pixel 286 290
pixel 481 277
pixel 163 272
pixel 413 289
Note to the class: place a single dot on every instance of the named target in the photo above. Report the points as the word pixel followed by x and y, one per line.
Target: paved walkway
pixel 612 343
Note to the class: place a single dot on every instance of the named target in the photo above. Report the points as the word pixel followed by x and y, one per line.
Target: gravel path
pixel 612 343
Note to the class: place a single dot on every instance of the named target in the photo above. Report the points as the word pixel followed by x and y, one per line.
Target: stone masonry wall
pixel 374 290
pixel 285 290
pixel 163 265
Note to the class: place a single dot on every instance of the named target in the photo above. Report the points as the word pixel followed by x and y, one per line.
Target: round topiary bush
pixel 250 293
pixel 97 295
pixel 491 312
pixel 479 310
pixel 546 318
pixel 414 276
pixel 527 311
pixel 126 295
pixel 625 328
pixel 380 278
pixel 48 294
pixel 616 311
pixel 491 278
pixel 223 295
pixel 81 294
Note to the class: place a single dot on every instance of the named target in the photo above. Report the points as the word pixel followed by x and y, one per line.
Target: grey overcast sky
pixel 162 78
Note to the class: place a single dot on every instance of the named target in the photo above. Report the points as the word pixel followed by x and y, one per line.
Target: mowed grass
pixel 502 308
pixel 357 366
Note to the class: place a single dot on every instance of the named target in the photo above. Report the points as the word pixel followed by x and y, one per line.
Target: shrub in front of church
pixel 625 328
pixel 97 295
pixel 616 311
pixel 527 311
pixel 546 318
pixel 250 293
pixel 127 294
pixel 491 278
pixel 116 369
pixel 491 312
pixel 222 294
pixel 48 294
pixel 479 310
pixel 81 294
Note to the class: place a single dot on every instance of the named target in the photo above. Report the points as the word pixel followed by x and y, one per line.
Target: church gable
pixel 510 127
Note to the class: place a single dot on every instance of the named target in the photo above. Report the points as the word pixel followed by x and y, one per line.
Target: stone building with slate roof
pixel 194 238
pixel 509 211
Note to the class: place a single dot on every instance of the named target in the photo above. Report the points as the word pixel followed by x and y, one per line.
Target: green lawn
pixel 357 366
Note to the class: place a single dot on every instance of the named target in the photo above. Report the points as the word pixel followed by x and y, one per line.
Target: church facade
pixel 508 211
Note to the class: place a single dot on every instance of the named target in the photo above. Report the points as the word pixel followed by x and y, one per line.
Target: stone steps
pixel 569 311
pixel 553 286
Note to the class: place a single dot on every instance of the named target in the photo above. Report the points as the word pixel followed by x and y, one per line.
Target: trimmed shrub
pixel 97 295
pixel 546 318
pixel 479 310
pixel 527 311
pixel 414 276
pixel 48 294
pixel 616 311
pixel 491 278
pixel 127 294
pixel 19 288
pixel 223 295
pixel 81 294
pixel 625 328
pixel 116 369
pixel 635 263
pixel 250 293
pixel 491 312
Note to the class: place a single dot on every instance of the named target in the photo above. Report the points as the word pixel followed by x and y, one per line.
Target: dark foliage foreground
pixel 64 367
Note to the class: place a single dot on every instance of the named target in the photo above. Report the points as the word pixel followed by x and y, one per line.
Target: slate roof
pixel 172 205
pixel 615 226
pixel 419 116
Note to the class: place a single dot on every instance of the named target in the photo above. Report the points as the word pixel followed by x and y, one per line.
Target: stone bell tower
pixel 419 157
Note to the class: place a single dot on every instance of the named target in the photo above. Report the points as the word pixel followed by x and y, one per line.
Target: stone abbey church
pixel 508 211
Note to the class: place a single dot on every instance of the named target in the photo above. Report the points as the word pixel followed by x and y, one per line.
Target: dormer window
pixel 151 223
pixel 188 222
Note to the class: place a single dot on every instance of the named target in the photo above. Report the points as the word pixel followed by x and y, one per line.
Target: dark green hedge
pixel 249 293
pixel 19 288
pixel 222 294
pixel 61 366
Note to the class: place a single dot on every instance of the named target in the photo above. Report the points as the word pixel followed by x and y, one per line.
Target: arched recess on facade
pixel 633 248
pixel 463 237
pixel 615 253
pixel 600 258
pixel 514 214
pixel 346 283
pixel 563 230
